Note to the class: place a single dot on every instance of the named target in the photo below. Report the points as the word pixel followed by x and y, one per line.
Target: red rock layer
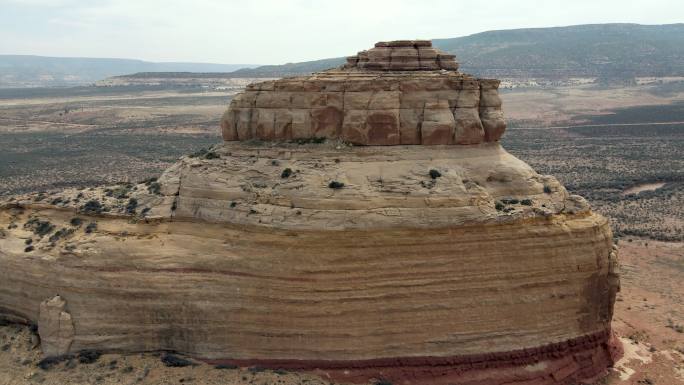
pixel 575 361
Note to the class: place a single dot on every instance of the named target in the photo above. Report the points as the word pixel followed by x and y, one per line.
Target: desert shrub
pixel 131 206
pixel 154 188
pixel 39 227
pixel 434 174
pixel 76 221
pixel 308 140
pixel 88 356
pixel 526 202
pixel 547 189
pixel 335 185
pixel 199 153
pixel 226 366
pixel 28 241
pixel 499 206
pixel 174 361
pixel 383 381
pixel 92 226
pixel 286 173
pixel 120 192
pixel 28 249
pixel 212 155
pixel 93 206
pixel 48 362
pixel 61 233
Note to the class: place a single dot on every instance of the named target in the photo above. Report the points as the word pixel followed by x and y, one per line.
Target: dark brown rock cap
pixel 403 55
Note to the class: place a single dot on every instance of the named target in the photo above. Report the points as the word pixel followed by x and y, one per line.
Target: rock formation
pixel 288 246
pixel 402 92
pixel 55 327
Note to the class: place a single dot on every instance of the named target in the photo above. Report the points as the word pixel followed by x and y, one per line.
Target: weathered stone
pixel 418 264
pixel 468 128
pixel 493 123
pixel 400 75
pixel 55 327
pixel 438 123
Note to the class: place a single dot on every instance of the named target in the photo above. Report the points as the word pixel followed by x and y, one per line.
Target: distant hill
pixel 41 71
pixel 609 51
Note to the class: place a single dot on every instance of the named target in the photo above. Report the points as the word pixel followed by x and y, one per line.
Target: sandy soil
pixel 643 187
pixel 649 318
pixel 551 107
pixel 649 313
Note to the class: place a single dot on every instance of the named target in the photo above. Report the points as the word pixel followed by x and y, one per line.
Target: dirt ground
pixel 649 318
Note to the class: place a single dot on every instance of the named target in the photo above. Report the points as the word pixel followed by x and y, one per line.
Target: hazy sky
pixel 274 32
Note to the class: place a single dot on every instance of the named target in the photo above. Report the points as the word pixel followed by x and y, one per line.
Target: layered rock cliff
pixel 440 264
pixel 396 93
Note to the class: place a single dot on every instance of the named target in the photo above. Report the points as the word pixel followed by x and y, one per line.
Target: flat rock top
pixel 403 55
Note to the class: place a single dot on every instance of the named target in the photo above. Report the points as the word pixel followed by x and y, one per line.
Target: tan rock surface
pixel 403 92
pixel 449 262
pixel 55 327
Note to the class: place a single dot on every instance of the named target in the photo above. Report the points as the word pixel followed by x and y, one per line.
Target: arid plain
pixel 620 147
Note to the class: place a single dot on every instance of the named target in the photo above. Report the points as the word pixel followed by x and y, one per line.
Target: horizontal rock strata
pixel 407 258
pixel 370 102
pixel 415 282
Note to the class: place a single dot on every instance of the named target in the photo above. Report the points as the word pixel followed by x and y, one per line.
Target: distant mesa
pixel 399 92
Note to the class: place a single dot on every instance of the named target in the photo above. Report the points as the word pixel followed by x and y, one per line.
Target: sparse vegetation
pixel 286 173
pixel 40 228
pixel 434 174
pixel 154 188
pixel 335 185
pixel 308 140
pixel 173 361
pixel 92 226
pixel 59 234
pixel 131 206
pixel 93 206
pixel 88 356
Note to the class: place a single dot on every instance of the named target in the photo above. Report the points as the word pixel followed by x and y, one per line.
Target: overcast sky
pixel 279 31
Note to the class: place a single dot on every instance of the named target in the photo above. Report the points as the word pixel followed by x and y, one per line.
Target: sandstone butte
pixel 362 222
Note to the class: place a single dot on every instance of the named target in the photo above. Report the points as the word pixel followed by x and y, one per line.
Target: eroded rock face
pixel 55 327
pixel 420 264
pixel 403 92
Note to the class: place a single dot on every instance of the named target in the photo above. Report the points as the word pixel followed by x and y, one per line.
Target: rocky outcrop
pixel 420 264
pixel 55 327
pixel 403 92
